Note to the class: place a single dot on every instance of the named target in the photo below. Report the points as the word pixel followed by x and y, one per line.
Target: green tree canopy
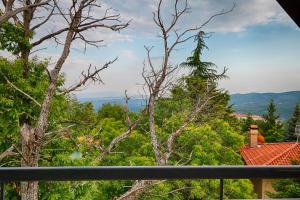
pixel 272 127
pixel 287 188
pixel 291 124
pixel 109 110
pixel 12 38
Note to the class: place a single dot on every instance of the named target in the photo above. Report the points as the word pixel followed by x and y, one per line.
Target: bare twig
pixel 121 137
pixel 9 12
pixel 19 90
pixel 8 152
pixel 94 76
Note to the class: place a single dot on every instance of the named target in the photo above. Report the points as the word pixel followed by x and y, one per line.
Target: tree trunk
pixel 153 135
pixel 30 153
pixel 25 50
pixel 29 190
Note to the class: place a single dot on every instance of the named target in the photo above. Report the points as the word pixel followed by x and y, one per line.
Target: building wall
pixel 262 187
pixel 267 187
pixel 257 183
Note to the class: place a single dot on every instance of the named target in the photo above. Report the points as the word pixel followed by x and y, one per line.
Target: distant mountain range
pixel 134 104
pixel 254 103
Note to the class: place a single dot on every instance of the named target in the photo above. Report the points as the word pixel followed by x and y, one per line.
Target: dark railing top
pixel 146 173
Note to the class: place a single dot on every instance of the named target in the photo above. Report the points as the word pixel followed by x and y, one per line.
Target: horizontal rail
pixel 146 173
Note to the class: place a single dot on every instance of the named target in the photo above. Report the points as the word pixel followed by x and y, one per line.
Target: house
pixel 245 116
pixel 256 152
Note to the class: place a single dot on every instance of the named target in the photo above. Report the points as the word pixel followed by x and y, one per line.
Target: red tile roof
pixel 271 154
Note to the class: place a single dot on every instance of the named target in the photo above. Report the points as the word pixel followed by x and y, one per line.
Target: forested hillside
pixel 256 103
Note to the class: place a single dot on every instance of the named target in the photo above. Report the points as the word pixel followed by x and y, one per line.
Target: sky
pixel 257 42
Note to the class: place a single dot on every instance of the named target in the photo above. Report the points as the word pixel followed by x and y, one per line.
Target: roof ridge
pixel 278 143
pixel 292 147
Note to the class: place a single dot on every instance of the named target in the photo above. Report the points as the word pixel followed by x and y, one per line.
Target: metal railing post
pixel 221 189
pixel 2 190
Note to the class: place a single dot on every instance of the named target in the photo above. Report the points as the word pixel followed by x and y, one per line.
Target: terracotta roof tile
pixel 271 154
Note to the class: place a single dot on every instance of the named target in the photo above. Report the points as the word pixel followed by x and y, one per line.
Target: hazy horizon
pixel 97 96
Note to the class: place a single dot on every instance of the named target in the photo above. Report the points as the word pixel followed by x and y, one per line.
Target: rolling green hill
pixel 256 103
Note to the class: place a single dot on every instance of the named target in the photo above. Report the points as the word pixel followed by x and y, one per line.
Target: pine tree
pixel 292 122
pixel 272 128
pixel 203 75
pixel 202 69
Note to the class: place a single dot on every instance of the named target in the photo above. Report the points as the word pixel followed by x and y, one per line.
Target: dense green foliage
pixel 12 38
pixel 287 188
pixel 15 107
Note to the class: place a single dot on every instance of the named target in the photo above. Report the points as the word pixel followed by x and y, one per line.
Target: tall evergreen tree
pixel 272 128
pixel 203 75
pixel 202 69
pixel 291 125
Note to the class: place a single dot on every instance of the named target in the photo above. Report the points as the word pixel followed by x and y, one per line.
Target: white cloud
pixel 245 14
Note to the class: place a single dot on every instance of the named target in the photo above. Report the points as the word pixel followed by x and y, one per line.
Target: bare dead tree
pixel 157 82
pixel 10 11
pixel 79 19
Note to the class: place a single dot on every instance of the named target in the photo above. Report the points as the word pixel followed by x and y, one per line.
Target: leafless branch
pixel 127 98
pixel 190 118
pixel 9 12
pixel 159 79
pixel 8 152
pixel 87 22
pixel 19 90
pixel 136 189
pixel 90 75
pixel 62 130
pixel 121 137
pixel 45 20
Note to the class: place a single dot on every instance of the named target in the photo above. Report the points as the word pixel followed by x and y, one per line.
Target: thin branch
pixel 19 90
pixel 62 130
pixel 94 76
pixel 121 137
pixel 9 13
pixel 128 120
pixel 8 152
pixel 190 118
pixel 45 20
